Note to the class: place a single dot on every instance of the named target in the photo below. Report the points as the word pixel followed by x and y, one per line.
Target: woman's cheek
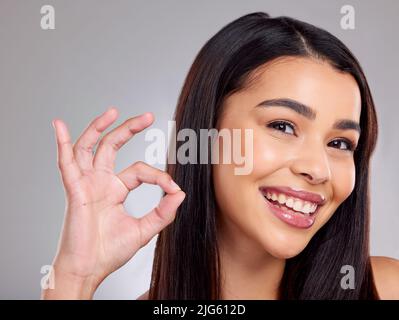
pixel 270 154
pixel 343 180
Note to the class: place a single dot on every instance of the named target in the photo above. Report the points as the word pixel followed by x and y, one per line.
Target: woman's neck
pixel 247 270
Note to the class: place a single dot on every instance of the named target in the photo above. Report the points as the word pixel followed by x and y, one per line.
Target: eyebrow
pixel 309 113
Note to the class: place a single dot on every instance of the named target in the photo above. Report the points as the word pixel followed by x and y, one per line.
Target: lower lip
pixel 294 219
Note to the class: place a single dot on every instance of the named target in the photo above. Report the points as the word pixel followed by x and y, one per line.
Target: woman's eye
pixel 282 126
pixel 347 145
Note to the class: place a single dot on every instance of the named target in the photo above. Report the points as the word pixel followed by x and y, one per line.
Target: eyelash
pixel 351 146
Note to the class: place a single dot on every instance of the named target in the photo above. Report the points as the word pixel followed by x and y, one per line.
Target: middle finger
pixel 84 146
pixel 115 139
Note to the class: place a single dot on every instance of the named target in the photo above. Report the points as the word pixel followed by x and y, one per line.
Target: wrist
pixel 67 286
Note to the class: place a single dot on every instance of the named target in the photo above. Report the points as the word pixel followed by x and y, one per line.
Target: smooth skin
pixel 99 236
pixel 307 153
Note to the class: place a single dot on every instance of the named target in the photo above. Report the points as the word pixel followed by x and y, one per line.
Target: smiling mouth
pixel 298 212
pixel 303 202
pixel 295 205
pixel 309 210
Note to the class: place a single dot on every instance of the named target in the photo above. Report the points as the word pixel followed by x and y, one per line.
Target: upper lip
pixel 302 194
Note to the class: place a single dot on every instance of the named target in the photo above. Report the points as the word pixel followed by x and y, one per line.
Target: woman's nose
pixel 312 164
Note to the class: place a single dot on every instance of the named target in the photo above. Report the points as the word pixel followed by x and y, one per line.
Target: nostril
pixel 314 180
pixel 307 176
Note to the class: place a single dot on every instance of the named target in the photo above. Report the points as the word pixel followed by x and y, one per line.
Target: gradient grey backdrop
pixel 135 55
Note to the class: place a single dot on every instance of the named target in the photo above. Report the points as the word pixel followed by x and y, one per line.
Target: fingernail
pixel 174 185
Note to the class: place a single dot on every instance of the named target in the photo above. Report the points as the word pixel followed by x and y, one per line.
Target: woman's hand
pixel 98 235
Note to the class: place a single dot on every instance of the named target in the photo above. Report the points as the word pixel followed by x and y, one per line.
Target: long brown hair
pixel 186 261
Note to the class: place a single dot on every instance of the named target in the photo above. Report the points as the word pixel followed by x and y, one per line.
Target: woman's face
pixel 294 148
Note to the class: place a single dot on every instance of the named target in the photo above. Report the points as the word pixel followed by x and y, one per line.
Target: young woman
pixel 286 230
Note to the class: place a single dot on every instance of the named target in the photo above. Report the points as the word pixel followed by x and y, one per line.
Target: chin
pixel 283 245
pixel 284 252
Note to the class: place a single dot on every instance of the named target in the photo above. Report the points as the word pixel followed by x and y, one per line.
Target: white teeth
pixel 290 203
pixel 306 208
pixel 281 198
pixel 296 204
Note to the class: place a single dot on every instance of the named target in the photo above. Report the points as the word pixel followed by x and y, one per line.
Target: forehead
pixel 312 82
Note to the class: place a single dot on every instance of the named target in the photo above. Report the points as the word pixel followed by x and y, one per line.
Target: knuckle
pixel 109 141
pixel 140 165
pixel 64 144
pixel 132 125
pixel 165 176
pixel 162 178
pixel 62 165
pixel 81 148
pixel 126 122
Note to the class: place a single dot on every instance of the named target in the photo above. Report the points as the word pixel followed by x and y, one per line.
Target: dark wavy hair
pixel 186 262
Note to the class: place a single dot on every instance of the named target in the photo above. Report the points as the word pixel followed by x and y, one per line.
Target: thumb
pixel 159 217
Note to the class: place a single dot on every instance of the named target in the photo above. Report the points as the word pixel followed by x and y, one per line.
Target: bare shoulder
pixel 386 276
pixel 144 296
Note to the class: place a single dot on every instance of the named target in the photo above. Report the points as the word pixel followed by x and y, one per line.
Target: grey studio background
pixel 135 55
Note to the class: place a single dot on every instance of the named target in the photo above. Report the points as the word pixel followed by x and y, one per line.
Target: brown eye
pixel 282 126
pixel 343 144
